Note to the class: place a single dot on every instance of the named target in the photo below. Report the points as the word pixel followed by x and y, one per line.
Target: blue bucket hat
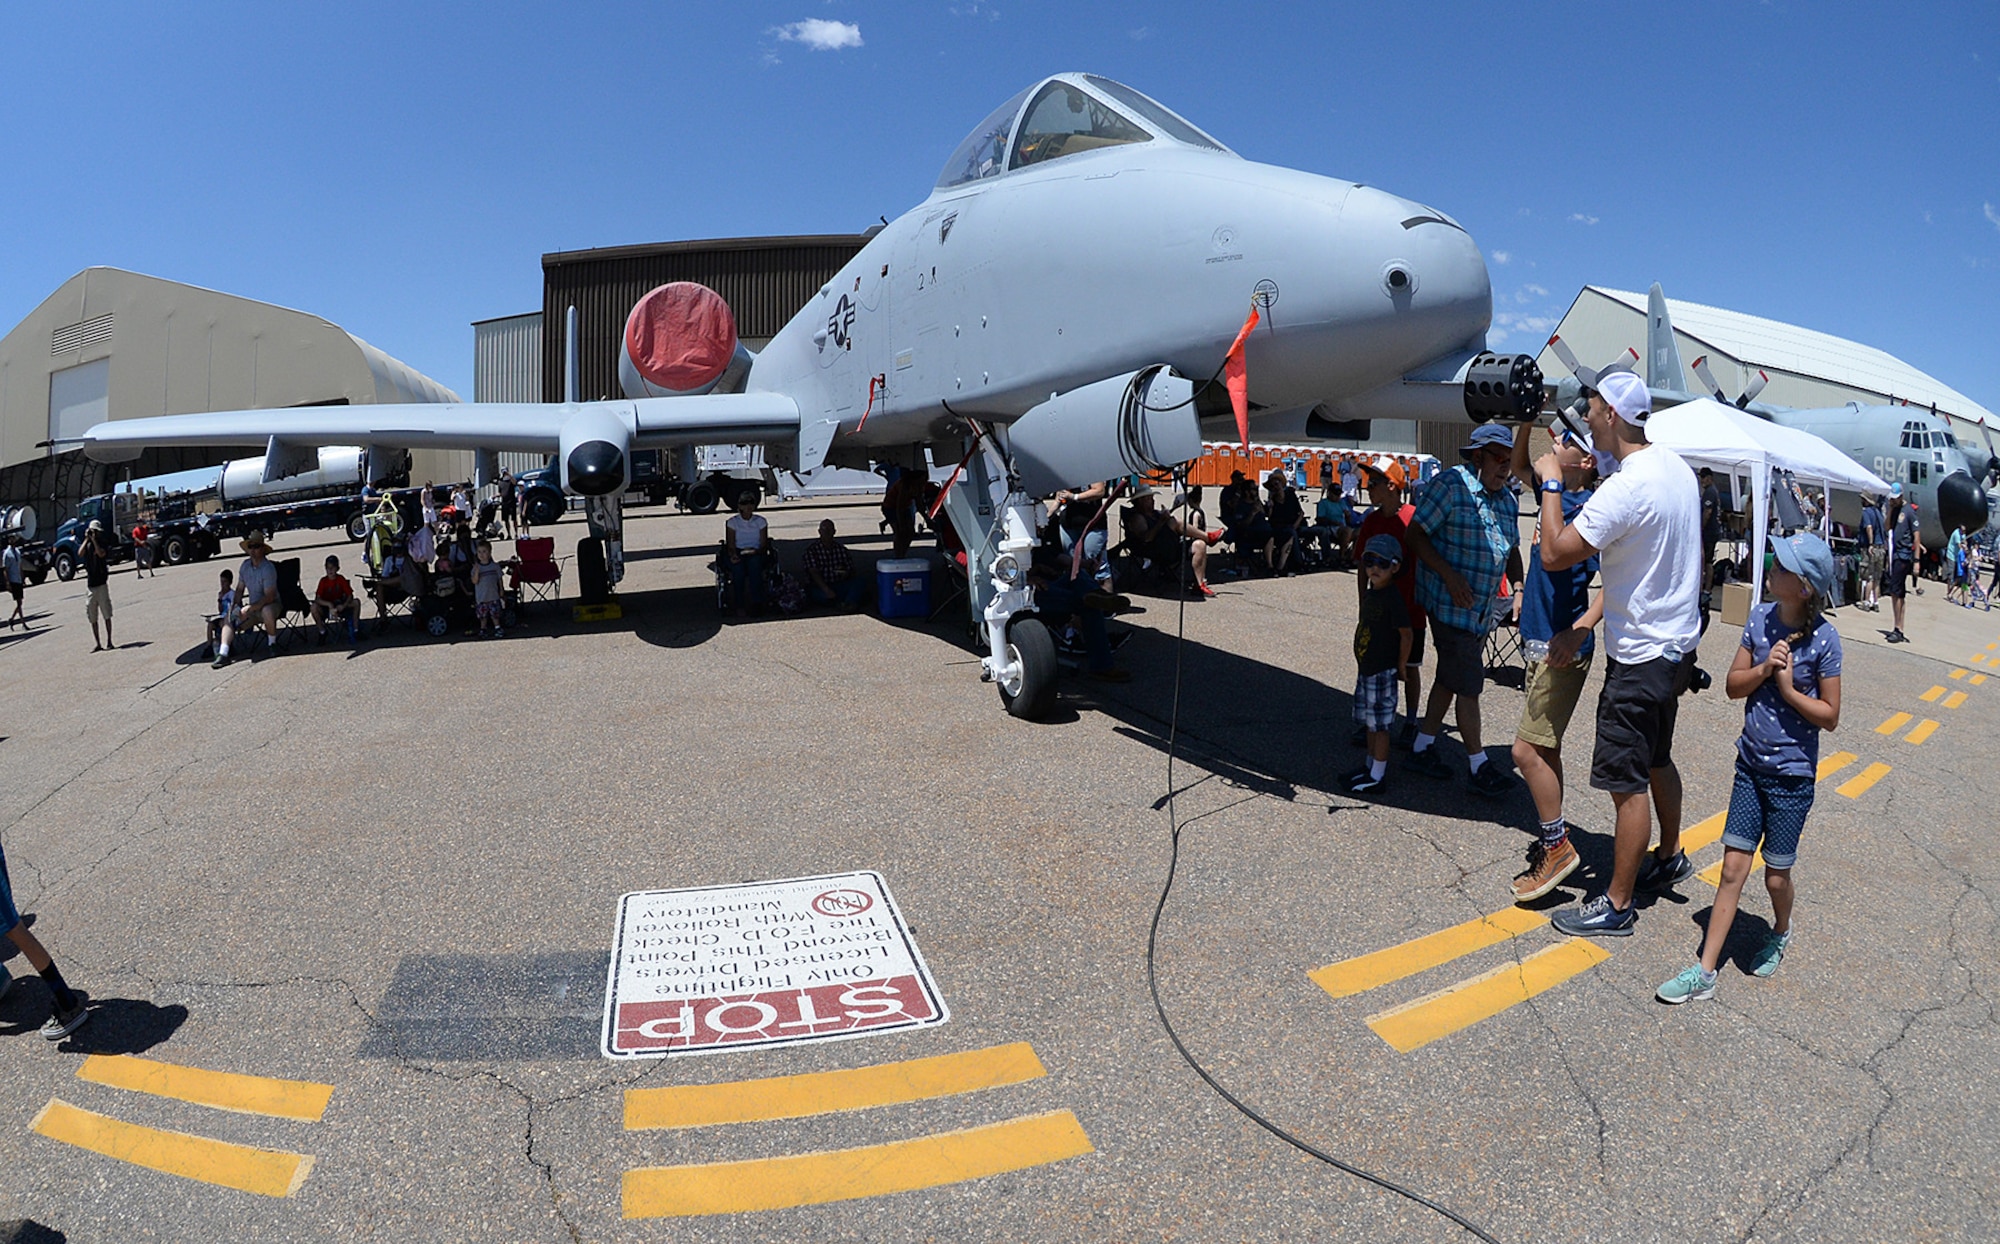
pixel 1807 556
pixel 1488 435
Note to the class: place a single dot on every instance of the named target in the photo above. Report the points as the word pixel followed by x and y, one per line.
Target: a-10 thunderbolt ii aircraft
pixel 1910 445
pixel 1059 311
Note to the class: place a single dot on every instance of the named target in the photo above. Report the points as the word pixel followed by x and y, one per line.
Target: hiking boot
pixel 1763 963
pixel 1547 866
pixel 1427 763
pixel 1664 874
pixel 1488 780
pixel 62 1023
pixel 221 659
pixel 1362 781
pixel 1596 918
pixel 1691 985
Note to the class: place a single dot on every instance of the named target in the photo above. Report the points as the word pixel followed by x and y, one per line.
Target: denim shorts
pixel 1768 810
pixel 9 917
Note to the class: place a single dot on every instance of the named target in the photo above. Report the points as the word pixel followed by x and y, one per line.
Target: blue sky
pixel 400 168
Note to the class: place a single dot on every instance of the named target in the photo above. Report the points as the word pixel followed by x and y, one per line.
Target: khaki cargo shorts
pixel 1553 691
pixel 99 603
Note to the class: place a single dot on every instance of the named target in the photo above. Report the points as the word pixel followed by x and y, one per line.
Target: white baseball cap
pixel 1626 393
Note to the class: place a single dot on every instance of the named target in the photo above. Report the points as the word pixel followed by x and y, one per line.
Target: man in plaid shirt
pixel 830 571
pixel 1466 535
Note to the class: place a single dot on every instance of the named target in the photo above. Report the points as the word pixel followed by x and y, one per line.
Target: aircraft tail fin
pixel 1663 357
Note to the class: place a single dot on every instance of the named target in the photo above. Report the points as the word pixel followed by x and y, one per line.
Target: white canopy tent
pixel 1708 433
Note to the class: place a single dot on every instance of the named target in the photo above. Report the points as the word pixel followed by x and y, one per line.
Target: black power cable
pixel 1153 939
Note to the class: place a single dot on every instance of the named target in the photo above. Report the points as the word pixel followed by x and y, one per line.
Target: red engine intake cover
pixel 681 336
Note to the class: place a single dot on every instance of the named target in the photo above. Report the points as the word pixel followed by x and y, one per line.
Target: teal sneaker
pixel 1770 954
pixel 1690 985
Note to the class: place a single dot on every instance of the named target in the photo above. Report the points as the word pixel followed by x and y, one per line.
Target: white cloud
pixel 1536 290
pixel 1582 219
pixel 821 35
pixel 1507 323
pixel 1927 218
pixel 1141 34
pixel 1503 257
pixel 1993 216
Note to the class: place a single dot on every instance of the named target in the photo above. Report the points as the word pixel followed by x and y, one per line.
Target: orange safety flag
pixel 1238 380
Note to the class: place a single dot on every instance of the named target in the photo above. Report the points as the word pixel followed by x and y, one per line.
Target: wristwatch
pixel 1552 485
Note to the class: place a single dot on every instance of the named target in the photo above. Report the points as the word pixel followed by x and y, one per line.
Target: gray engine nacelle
pixel 595 451
pixel 1134 424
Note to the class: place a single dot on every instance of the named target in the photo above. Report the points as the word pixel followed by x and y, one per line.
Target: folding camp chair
pixel 1503 639
pixel 294 610
pixel 538 576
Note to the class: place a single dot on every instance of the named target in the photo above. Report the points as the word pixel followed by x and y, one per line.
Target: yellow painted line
pixel 282 1099
pixel 1991 647
pixel 1830 765
pixel 1416 1024
pixel 1894 724
pixel 826 1092
pixel 1930 697
pixel 1699 835
pixel 1979 680
pixel 849 1174
pixel 1978 658
pixel 1857 785
pixel 1961 674
pixel 1713 873
pixel 1365 972
pixel 1955 699
pixel 1925 729
pixel 265 1172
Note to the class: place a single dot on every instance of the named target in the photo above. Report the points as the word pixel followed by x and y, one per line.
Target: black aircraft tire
pixel 542 508
pixel 175 550
pixel 65 565
pixel 1029 642
pixel 700 498
pixel 593 582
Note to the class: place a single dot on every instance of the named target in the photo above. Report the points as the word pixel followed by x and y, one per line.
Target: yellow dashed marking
pixel 1924 730
pixel 1961 674
pixel 265 1172
pixel 1365 972
pixel 796 1097
pixel 1979 680
pixel 1930 697
pixel 1416 1024
pixel 1701 834
pixel 1894 723
pixel 1713 873
pixel 282 1099
pixel 1955 699
pixel 1857 785
pixel 1830 765
pixel 848 1174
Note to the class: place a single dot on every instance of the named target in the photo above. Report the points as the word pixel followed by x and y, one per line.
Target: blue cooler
pixel 903 587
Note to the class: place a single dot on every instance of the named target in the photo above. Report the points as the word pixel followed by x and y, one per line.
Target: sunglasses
pixel 1372 562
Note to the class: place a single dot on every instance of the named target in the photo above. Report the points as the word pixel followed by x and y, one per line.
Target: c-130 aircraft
pixel 1058 311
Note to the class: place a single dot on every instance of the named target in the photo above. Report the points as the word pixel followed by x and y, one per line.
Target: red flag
pixel 1238 380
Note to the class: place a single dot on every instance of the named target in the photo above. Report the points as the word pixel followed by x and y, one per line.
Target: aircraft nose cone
pixel 596 468
pixel 1961 502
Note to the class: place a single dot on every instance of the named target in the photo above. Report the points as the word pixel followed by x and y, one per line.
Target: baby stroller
pixel 488 527
pixel 449 603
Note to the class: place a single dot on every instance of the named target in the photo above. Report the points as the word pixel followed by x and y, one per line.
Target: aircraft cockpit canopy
pixel 1064 116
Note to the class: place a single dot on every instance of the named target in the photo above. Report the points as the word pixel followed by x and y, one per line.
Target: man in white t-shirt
pixel 1644 524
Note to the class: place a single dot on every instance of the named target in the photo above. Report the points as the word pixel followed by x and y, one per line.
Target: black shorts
pixel 1636 712
pixel 507 505
pixel 1461 663
pixel 1417 642
pixel 1897 582
pixel 14 590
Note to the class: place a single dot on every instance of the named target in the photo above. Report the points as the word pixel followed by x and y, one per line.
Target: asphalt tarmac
pixel 394 873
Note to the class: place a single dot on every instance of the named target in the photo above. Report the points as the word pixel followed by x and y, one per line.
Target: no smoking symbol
pixel 842 903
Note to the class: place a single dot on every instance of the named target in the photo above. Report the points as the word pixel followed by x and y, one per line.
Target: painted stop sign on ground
pixel 768 963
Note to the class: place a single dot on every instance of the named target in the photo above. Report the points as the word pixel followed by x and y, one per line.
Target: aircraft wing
pixel 529 427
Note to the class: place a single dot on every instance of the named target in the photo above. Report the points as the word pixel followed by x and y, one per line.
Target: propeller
pixel 1742 402
pixel 1588 376
pixel 1992 454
